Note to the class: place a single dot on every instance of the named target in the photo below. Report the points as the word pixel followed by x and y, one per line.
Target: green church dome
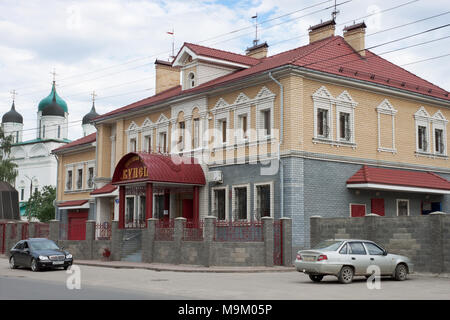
pixel 48 100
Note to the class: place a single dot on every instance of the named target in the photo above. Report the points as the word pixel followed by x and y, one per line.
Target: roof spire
pixel 14 93
pixel 54 75
pixel 93 94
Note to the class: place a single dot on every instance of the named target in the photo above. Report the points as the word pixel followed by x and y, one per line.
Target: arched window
pixel 191 79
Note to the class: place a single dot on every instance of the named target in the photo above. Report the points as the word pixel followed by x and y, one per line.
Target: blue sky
pixel 110 45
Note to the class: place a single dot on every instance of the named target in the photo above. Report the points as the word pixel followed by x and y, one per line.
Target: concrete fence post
pixel 286 225
pixel 178 232
pixel 116 241
pixel 148 240
pixel 437 244
pixel 90 238
pixel 315 230
pixel 208 238
pixel 370 225
pixel 9 242
pixel 32 229
pixel 268 240
pixel 54 230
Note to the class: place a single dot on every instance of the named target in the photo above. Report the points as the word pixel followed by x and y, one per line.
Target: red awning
pixel 142 167
pixel 72 203
pixel 398 180
pixel 108 188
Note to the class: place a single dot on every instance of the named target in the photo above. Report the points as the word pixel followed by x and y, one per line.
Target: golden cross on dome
pixel 14 93
pixel 93 94
pixel 54 74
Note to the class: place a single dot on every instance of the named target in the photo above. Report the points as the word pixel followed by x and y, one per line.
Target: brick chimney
pixel 321 31
pixel 166 76
pixel 355 36
pixel 258 51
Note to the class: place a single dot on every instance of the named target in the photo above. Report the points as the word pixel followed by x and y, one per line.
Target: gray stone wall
pixel 424 239
pixel 318 187
pixel 209 252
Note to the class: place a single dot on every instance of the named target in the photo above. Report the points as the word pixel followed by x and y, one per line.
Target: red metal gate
pixel 277 243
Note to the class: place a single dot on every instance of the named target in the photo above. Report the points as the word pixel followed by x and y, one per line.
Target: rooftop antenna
pixel 172 33
pixel 335 11
pixel 255 17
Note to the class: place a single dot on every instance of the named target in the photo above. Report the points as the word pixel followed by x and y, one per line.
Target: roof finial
pixel 93 94
pixel 14 93
pixel 255 41
pixel 54 75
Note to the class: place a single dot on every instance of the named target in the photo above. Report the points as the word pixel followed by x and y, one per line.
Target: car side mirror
pixel 26 250
pixel 385 253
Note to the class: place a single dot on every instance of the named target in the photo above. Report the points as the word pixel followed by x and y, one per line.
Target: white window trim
pixel 255 197
pixel 423 119
pixel 78 167
pixel 218 119
pixel 145 134
pixel 162 127
pixel 386 108
pixel 356 204
pixel 67 177
pixel 233 200
pixel 87 175
pixel 213 200
pixel 439 122
pixel 238 134
pixel 322 99
pixel 397 201
pixel 261 107
pixel 345 103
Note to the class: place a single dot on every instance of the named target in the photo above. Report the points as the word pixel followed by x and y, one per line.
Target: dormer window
pixel 191 80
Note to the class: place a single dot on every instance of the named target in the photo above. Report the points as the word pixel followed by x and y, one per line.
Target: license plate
pixel 58 262
pixel 309 258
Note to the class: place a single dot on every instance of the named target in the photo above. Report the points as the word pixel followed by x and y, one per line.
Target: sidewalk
pixel 179 267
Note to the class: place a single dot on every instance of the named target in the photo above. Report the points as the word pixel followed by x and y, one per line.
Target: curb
pixel 187 269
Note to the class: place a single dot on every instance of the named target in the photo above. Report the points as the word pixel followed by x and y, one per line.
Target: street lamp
pixel 31 192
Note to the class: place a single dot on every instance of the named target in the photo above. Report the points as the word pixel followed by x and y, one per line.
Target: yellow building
pixel 326 129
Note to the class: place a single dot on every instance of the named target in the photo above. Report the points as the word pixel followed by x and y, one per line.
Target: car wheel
pixel 34 266
pixel 401 272
pixel 316 277
pixel 346 274
pixel 12 263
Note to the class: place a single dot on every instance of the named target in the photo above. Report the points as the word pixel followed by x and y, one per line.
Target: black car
pixel 39 253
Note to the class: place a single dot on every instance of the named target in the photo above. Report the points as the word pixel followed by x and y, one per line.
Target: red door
pixel 188 211
pixel 377 206
pixel 77 225
pixel 358 210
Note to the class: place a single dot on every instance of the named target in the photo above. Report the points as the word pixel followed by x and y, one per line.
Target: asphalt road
pixel 109 283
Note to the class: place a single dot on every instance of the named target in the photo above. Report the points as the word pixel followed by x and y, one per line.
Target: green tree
pixel 8 170
pixel 40 204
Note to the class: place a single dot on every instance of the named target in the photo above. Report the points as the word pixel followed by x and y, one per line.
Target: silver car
pixel 349 257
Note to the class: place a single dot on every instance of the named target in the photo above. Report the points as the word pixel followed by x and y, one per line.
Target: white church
pixel 37 167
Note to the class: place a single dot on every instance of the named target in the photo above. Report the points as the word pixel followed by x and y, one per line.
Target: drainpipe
pixel 279 144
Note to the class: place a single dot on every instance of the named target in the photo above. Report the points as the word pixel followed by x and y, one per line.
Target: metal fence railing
pixel 193 231
pixel 239 231
pixel 103 231
pixel 164 230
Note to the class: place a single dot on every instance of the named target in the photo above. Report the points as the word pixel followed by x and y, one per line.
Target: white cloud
pixel 79 37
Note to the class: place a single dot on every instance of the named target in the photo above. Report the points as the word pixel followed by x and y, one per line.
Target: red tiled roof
pixel 399 178
pixel 85 140
pixel 331 55
pixel 72 203
pixel 108 188
pixel 161 168
pixel 221 54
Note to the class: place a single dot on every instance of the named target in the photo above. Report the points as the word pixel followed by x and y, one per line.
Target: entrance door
pixel 77 225
pixel 357 210
pixel 188 211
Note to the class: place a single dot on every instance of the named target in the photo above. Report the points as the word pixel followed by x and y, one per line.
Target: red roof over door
pixel 142 167
pixel 409 180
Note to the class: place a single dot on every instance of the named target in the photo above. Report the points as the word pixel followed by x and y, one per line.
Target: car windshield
pixel 328 245
pixel 43 245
